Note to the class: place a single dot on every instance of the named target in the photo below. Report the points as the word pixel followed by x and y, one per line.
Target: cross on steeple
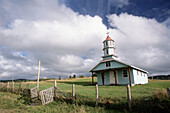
pixel 107 33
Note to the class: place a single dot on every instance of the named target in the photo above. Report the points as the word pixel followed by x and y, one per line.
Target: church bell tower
pixel 109 49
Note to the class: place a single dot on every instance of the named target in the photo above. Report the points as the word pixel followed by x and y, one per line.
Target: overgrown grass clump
pixel 158 103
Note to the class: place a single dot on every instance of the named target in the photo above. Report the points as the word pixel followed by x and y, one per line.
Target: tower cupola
pixel 109 49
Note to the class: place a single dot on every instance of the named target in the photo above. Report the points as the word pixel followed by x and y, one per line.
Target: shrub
pixel 160 95
pixel 59 78
pixel 81 76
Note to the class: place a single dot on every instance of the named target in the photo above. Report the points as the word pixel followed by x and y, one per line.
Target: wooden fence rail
pixel 62 93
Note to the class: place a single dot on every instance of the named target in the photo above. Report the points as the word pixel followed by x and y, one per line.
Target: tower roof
pixel 108 38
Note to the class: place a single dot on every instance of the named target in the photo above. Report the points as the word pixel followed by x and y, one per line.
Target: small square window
pixel 125 74
pixel 108 64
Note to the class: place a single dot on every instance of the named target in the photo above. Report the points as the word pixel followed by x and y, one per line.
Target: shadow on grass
pixel 25 96
pixel 82 100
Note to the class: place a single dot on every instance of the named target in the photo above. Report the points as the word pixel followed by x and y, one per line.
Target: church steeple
pixel 109 49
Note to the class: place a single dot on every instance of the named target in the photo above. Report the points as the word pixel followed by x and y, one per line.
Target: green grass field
pixel 151 97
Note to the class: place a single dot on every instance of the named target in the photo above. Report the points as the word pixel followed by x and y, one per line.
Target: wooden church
pixel 111 71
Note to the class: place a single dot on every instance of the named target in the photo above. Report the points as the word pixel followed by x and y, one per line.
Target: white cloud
pixel 142 42
pixel 68 43
pixel 64 41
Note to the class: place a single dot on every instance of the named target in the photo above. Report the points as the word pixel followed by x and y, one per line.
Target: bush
pixel 160 95
pixel 70 76
pixel 81 76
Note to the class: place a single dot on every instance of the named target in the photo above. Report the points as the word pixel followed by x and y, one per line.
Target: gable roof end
pixel 119 62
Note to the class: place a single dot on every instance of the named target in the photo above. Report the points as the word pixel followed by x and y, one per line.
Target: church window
pixel 107 52
pixel 125 74
pixel 108 64
pixel 106 43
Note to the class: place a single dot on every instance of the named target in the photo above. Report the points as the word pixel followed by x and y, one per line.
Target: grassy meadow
pixel 151 97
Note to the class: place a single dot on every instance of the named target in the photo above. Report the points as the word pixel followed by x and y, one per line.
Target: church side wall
pixel 121 79
pixel 99 79
pixel 125 80
pixel 140 77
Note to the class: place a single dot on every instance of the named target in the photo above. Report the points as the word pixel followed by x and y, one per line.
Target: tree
pixel 74 76
pixel 81 76
pixel 59 78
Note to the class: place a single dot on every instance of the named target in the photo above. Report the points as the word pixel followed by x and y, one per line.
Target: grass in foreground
pixel 151 97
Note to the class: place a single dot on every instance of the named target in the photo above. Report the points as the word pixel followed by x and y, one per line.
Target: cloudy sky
pixel 67 35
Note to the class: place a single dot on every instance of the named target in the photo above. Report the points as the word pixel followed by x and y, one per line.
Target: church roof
pixel 118 62
pixel 108 38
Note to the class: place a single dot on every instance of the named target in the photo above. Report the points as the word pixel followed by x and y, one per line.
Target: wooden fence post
pixel 7 86
pixel 1 86
pixel 55 92
pixel 19 87
pixel 27 89
pixel 168 90
pixel 97 95
pixel 73 92
pixel 12 86
pixel 38 76
pixel 129 96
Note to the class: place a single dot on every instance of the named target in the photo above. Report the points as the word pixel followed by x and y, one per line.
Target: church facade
pixel 111 71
